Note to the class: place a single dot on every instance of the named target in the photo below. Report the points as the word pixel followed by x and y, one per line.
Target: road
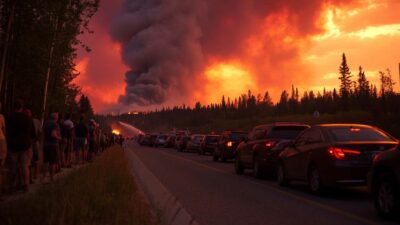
pixel 215 195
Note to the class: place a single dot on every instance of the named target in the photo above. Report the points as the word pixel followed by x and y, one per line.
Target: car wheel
pixel 257 172
pixel 314 181
pixel 239 169
pixel 282 175
pixel 386 197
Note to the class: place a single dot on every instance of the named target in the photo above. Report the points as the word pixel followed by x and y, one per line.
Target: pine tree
pixel 345 82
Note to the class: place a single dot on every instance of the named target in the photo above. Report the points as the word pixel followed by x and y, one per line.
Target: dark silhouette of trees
pixel 345 83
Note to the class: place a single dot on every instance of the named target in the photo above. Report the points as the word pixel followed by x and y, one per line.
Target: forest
pixel 356 100
pixel 39 40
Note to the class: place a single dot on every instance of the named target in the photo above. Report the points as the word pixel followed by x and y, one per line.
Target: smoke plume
pixel 168 43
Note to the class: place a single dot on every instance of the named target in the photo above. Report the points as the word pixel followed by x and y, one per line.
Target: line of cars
pixel 323 156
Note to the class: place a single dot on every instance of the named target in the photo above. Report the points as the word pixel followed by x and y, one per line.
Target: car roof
pixel 343 125
pixel 286 124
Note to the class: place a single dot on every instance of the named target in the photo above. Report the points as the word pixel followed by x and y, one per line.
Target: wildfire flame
pixel 230 79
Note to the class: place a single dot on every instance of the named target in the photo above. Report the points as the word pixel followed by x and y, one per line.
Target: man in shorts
pixel 81 134
pixel 67 135
pixel 19 128
pixel 52 137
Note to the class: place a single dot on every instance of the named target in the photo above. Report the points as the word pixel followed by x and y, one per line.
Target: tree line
pixel 355 93
pixel 38 46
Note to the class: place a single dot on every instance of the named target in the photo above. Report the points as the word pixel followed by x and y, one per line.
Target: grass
pixel 103 192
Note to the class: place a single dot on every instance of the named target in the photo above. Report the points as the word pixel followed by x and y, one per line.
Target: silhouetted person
pixel 19 135
pixel 51 144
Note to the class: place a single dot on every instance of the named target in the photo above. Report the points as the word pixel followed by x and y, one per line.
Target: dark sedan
pixel 261 150
pixel 226 145
pixel 384 184
pixel 333 155
pixel 208 144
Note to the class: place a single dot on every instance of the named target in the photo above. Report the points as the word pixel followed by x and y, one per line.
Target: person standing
pixel 52 137
pixel 68 139
pixel 3 151
pixel 81 134
pixel 19 135
pixel 37 126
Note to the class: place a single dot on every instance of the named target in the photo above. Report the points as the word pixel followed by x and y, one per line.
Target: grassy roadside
pixel 103 192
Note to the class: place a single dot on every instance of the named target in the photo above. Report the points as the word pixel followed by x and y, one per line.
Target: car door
pixel 313 144
pixel 293 155
pixel 247 151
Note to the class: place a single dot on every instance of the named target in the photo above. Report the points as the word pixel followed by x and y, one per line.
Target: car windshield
pixel 237 136
pixel 286 132
pixel 358 134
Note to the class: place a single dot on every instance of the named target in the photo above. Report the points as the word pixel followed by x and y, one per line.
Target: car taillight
pixel 270 144
pixel 340 153
pixel 229 144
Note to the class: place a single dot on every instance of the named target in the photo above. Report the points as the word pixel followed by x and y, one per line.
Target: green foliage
pixel 36 26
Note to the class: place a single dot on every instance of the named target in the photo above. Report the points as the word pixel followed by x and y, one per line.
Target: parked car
pixel 226 145
pixel 182 142
pixel 170 142
pixel 333 155
pixel 194 142
pixel 160 140
pixel 261 149
pixel 384 183
pixel 208 144
pixel 145 140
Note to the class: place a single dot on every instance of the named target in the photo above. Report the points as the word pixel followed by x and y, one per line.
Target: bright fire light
pixel 229 79
pixel 116 132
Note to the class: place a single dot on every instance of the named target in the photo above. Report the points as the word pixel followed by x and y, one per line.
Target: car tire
pixel 257 172
pixel 239 169
pixel 386 196
pixel 282 176
pixel 315 184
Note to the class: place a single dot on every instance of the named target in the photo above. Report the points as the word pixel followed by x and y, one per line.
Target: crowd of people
pixel 31 150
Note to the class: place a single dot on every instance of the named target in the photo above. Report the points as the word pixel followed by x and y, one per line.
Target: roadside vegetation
pixel 103 192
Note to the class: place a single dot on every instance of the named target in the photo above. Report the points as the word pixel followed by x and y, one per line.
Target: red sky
pixel 274 53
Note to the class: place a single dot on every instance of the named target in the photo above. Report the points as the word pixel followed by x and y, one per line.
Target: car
pixel 194 142
pixel 208 144
pixel 153 138
pixel 170 141
pixel 331 155
pixel 226 145
pixel 182 143
pixel 145 140
pixel 261 150
pixel 384 183
pixel 160 140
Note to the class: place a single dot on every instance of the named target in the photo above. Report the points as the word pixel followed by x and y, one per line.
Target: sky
pixel 151 54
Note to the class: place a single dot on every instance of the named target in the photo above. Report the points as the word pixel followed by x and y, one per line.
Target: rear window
pixel 358 134
pixel 286 132
pixel 237 136
pixel 211 138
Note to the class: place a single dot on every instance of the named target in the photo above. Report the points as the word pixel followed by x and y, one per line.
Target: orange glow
pixel 116 132
pixel 230 79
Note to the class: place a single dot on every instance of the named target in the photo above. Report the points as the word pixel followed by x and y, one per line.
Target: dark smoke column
pixel 160 43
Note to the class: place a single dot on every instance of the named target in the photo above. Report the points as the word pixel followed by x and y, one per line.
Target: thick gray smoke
pixel 165 42
pixel 160 41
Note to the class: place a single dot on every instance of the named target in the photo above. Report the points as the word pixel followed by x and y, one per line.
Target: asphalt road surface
pixel 215 195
